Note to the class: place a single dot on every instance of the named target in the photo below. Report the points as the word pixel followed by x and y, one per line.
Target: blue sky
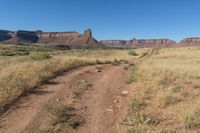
pixel 109 19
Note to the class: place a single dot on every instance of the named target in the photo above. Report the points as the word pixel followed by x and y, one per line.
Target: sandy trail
pixel 105 107
pixel 102 105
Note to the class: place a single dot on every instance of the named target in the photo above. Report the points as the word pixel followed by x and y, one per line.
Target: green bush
pixel 14 53
pixel 40 56
pixel 98 61
pixel 132 53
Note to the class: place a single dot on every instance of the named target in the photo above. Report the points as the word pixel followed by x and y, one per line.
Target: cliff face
pixel 115 43
pixel 155 43
pixel 64 38
pixel 190 41
pixel 67 37
pixel 139 43
pixel 4 35
pixel 77 40
pixel 23 37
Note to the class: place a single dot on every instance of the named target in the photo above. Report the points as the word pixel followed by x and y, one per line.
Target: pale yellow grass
pixel 19 74
pixel 168 85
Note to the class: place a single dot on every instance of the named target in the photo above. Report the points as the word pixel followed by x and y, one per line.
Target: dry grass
pixel 19 73
pixel 191 119
pixel 168 83
pixel 63 114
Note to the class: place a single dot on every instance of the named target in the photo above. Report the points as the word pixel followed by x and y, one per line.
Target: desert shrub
pixel 143 119
pixel 133 75
pixel 14 52
pixel 63 114
pixel 12 86
pixel 177 88
pixel 115 62
pixel 133 104
pixel 57 110
pixel 43 77
pixel 98 61
pixel 132 53
pixel 47 72
pixel 129 130
pixel 40 56
pixel 169 99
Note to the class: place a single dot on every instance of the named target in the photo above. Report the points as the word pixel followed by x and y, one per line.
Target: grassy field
pixel 23 68
pixel 167 89
pixel 166 82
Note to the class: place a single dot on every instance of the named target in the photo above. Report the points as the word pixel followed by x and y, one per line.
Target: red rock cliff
pixel 139 43
pixel 64 38
pixel 190 41
pixel 67 37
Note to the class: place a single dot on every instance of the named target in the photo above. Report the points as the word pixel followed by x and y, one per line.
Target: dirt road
pixel 102 105
pixel 102 101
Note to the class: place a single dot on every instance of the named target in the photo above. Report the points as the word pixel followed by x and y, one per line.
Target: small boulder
pixel 58 99
pixel 98 70
pixel 125 93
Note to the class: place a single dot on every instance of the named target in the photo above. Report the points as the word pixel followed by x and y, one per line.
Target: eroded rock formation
pixel 190 41
pixel 64 38
pixel 67 37
pixel 77 40
pixel 4 35
pixel 134 43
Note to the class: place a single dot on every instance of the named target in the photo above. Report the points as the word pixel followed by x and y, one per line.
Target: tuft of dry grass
pixel 63 114
pixel 133 76
pixel 191 119
pixel 167 99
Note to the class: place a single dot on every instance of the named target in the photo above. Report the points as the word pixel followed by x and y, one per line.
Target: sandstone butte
pixel 85 39
pixel 66 38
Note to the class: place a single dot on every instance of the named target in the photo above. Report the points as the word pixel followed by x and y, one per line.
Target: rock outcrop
pixel 190 41
pixel 64 38
pixel 4 35
pixel 23 37
pixel 85 40
pixel 67 38
pixel 115 43
pixel 134 43
pixel 155 43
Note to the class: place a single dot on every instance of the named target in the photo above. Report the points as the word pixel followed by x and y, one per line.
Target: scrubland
pixel 24 67
pixel 166 92
pixel 165 82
